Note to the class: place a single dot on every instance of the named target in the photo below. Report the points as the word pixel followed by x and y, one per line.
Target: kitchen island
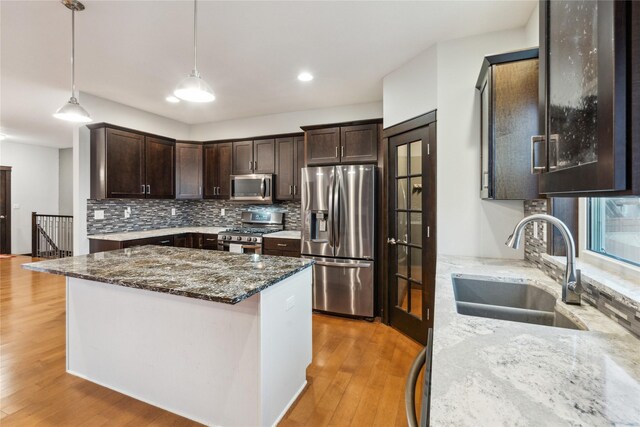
pixel 220 338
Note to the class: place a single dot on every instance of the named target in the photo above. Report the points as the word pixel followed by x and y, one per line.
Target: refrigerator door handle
pixel 330 218
pixel 335 213
pixel 343 264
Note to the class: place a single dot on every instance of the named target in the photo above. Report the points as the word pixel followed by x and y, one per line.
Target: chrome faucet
pixel 571 285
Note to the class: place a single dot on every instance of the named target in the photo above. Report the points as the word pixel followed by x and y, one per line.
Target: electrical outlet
pixel 535 229
pixel 127 212
pixel 222 212
pixel 98 214
pixel 291 302
pixel 173 211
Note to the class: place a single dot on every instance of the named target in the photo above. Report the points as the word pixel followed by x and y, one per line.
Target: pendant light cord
pixel 195 37
pixel 73 53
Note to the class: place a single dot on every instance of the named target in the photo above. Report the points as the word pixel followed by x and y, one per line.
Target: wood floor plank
pixel 356 377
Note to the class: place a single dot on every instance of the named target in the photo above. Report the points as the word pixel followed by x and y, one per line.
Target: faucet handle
pixel 576 285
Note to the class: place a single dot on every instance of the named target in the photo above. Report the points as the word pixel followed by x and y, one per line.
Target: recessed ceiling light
pixel 305 77
pixel 172 99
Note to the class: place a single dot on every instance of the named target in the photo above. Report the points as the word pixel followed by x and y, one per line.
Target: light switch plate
pixel 16 206
pixel 98 214
pixel 222 212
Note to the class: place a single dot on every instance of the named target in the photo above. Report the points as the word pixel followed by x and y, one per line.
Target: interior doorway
pixel 5 209
pixel 412 226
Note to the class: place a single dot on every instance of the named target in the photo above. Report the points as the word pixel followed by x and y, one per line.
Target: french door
pixel 412 231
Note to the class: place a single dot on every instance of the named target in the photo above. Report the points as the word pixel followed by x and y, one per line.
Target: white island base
pixel 215 363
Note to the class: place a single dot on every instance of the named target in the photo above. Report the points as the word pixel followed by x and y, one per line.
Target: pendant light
pixel 193 88
pixel 72 111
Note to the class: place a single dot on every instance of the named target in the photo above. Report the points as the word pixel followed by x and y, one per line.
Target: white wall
pixel 467 225
pixel 283 122
pixel 412 89
pixel 103 110
pixel 65 181
pixel 532 28
pixel 34 187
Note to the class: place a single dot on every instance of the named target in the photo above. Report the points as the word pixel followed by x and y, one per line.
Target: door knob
pixel 391 241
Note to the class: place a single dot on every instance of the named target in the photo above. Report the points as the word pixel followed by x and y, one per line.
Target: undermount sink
pixel 508 299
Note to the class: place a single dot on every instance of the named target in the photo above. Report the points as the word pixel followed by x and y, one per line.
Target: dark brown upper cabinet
pixel 188 170
pixel 289 161
pixel 354 142
pixel 359 144
pixel 323 146
pixel 253 156
pixel 217 170
pixel 264 156
pixel 159 168
pixel 129 164
pixel 508 85
pixel 589 99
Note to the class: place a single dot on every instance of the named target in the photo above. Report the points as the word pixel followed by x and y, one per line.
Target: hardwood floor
pixel 356 379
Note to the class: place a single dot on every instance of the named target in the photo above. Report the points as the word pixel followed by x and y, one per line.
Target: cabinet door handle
pixel 295 189
pixel 250 165
pixel 165 241
pixel 282 245
pixel 148 189
pixel 336 151
pixel 200 190
pixel 142 189
pixel 255 165
pixel 342 151
pixel 211 240
pixel 291 190
pixel 538 154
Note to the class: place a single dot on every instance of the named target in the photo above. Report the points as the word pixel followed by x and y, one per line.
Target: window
pixel 614 228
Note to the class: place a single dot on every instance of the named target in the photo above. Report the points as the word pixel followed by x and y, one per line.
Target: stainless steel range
pixel 249 235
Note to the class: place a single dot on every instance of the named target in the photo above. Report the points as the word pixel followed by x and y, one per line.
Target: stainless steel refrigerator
pixel 338 232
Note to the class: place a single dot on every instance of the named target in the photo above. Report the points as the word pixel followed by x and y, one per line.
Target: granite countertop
pixel 209 275
pixel 495 372
pixel 286 234
pixel 160 232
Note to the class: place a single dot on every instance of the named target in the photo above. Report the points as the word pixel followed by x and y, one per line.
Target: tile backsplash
pixel 618 308
pixel 149 214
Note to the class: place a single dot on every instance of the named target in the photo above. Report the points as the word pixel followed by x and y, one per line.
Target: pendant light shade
pixel 192 88
pixel 72 111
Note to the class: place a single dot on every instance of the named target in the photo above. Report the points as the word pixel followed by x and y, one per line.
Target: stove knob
pixel 224 237
pixel 239 238
pixel 255 239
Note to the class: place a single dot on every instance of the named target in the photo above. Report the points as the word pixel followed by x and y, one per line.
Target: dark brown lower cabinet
pixel 210 241
pixel 184 240
pixel 281 247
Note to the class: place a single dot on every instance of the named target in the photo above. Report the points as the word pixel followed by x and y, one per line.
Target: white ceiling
pixel 135 52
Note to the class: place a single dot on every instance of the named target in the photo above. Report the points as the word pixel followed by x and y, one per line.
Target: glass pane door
pixel 408 213
pixel 410 293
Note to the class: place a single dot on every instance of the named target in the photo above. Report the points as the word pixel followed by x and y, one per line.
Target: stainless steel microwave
pixel 256 188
